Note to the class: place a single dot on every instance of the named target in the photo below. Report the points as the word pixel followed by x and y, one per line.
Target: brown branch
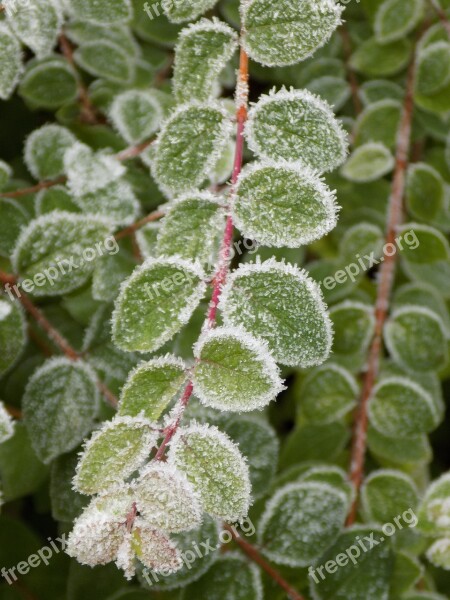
pixel 154 216
pixel 256 557
pixel 385 285
pixel 134 151
pixel 9 281
pixel 13 411
pixel 351 75
pixel 441 14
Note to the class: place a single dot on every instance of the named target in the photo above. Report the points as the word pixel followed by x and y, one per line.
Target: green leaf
pixel 221 582
pixel 202 52
pixel 216 468
pixel 425 191
pixel 333 476
pixel 153 547
pixel 109 273
pixel 434 510
pixel 400 407
pixel 136 115
pixel 22 472
pixel 61 239
pixel 396 450
pixel 105 59
pixel 334 90
pixel 189 145
pixel 155 302
pixel 287 33
pixel 185 10
pixel 361 239
pixel 13 218
pixel 55 198
pixel 395 19
pixel 381 60
pixel 12 332
pixel 67 504
pixel 314 442
pixel 380 89
pixel 283 205
pixel 307 518
pixel 368 163
pixel 234 371
pixel 327 394
pixel 353 324
pixel 191 227
pixel 363 574
pixel 37 25
pixel 59 406
pixel 48 83
pixel 146 238
pixel 11 64
pixel 422 294
pixel 81 31
pixel 379 122
pixel 151 386
pixel 5 173
pixel 6 424
pixel 44 151
pixel 406 574
pixel 416 338
pixel 296 126
pixel 279 303
pixel 116 203
pixel 433 68
pixel 113 453
pixel 259 444
pixel 439 553
pixel 386 494
pixel 101 11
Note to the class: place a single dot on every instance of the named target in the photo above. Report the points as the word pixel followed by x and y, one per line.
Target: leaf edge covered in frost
pixel 366 505
pixel 6 31
pixel 7 422
pixel 115 113
pixel 31 139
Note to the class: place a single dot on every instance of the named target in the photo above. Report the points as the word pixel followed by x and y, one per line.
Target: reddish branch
pixel 441 14
pixel 52 333
pixel 254 554
pixel 386 280
pixel 225 251
pixel 154 216
pixel 351 76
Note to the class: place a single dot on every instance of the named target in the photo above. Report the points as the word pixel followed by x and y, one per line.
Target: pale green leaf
pixel 386 494
pixel 425 191
pixel 368 163
pixel 136 115
pixel 55 198
pixel 101 11
pixel 6 423
pixel 434 510
pixel 48 83
pixel 115 203
pixel 44 151
pixel 11 64
pixel 105 59
pixel 12 331
pixel 381 60
pixel 109 272
pixel 13 217
pixel 353 324
pixel 379 122
pixel 433 68
pixel 179 11
pixel 395 19
pixel 439 553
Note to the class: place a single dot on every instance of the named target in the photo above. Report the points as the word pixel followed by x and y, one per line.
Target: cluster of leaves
pixel 92 80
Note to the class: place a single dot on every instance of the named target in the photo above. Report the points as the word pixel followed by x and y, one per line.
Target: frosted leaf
pixel 231 576
pixel 400 407
pixel 44 151
pixel 234 371
pixel 136 115
pixel 335 90
pixel 113 453
pixel 362 238
pixel 394 19
pixel 286 32
pixel 125 558
pixel 80 31
pixel 283 204
pixel 258 442
pixel 378 90
pixel 37 24
pixel 202 52
pixel 59 406
pixel 433 70
pixel 425 191
pixel 368 163
pixel 215 467
pixel 151 386
pixel 109 273
pixel 381 60
pixel 224 166
pixel 332 476
pixel 439 553
pixel 179 11
pixel 166 500
pixel 191 227
pixel 107 60
pixel 307 518
pixel 379 122
pixel 12 333
pixel 50 250
pixel 191 570
pixel 327 394
pixel 11 64
pixel 101 11
pixel 116 502
pixel 88 172
pixel 6 422
pixel 115 203
pixel 353 324
pixel 13 218
pixel 416 338
pixel 368 576
pixel 154 548
pixel 155 302
pixel 296 125
pixel 49 83
pixel 399 450
pixel 189 145
pixel 146 239
pixel 387 493
pixel 434 510
pixel 280 304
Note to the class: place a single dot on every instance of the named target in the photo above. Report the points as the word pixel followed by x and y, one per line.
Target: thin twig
pixel 154 216
pixel 134 151
pixel 351 75
pixel 441 14
pixel 9 281
pixel 256 557
pixel 13 411
pixel 386 280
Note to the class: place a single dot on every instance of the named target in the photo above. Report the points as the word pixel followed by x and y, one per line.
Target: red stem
pixel 386 281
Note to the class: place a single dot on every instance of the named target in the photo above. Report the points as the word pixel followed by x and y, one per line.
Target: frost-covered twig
pixel 386 280
pixel 53 333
